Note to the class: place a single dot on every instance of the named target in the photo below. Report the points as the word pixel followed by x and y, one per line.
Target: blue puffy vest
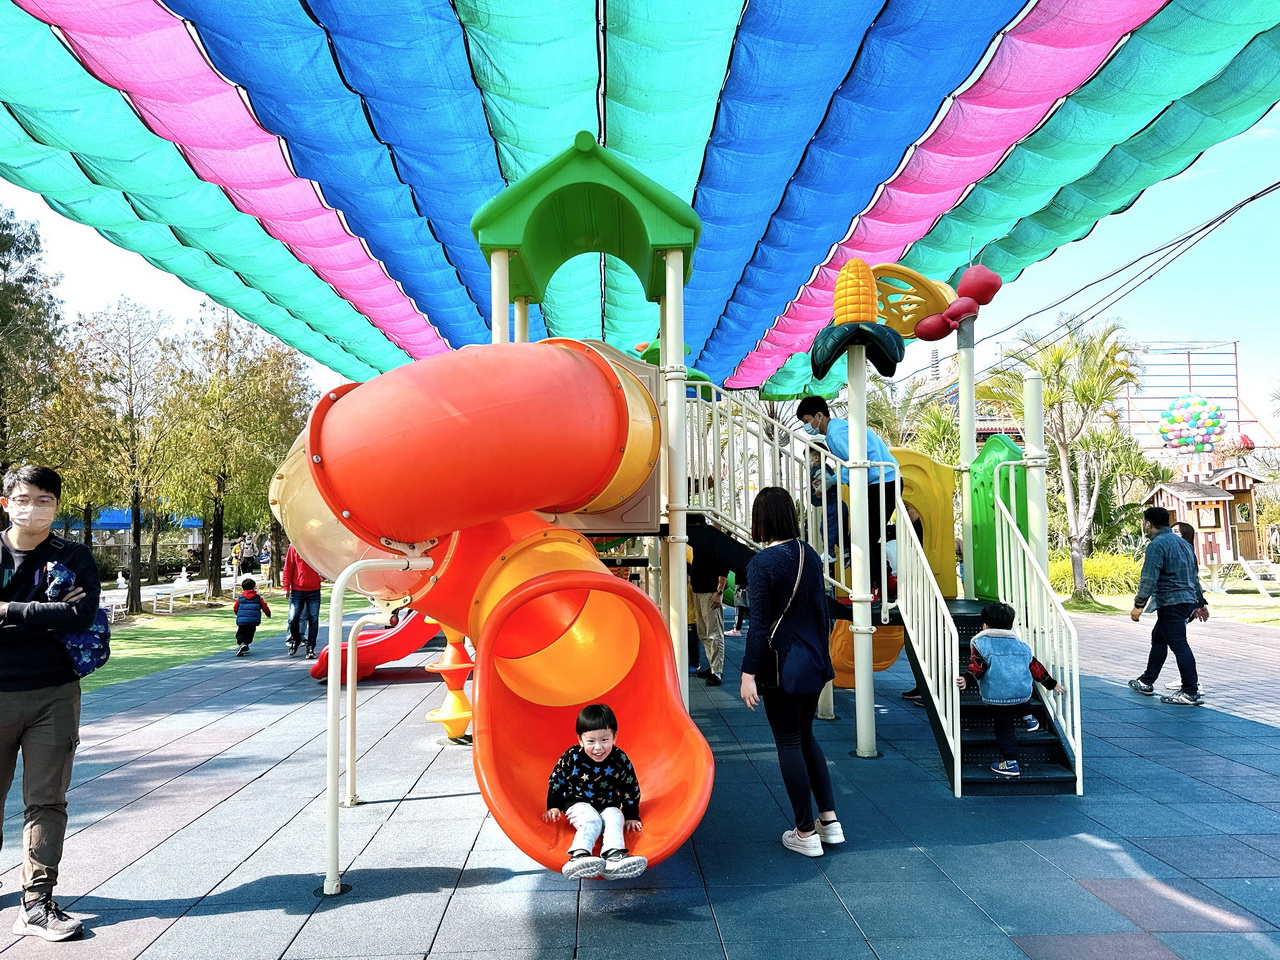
pixel 1008 676
pixel 250 611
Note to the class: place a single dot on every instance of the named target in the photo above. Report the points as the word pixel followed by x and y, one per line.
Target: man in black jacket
pixel 39 689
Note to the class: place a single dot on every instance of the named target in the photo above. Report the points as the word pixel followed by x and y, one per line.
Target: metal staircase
pixel 734 448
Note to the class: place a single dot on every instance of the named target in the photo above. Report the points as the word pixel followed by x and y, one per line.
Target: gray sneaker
pixel 1145 689
pixel 1183 699
pixel 44 918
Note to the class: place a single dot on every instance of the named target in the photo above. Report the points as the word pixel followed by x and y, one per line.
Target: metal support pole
pixel 333 727
pixel 674 374
pixel 353 668
pixel 1033 449
pixel 860 549
pixel 522 319
pixel 499 293
pixel 968 445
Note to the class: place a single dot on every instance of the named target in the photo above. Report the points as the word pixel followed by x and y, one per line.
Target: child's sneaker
pixel 829 832
pixel 1183 699
pixel 810 846
pixel 619 865
pixel 1032 723
pixel 1145 689
pixel 45 919
pixel 243 651
pixel 583 866
pixel 1007 768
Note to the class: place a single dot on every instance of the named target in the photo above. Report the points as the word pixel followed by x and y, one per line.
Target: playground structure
pixel 562 438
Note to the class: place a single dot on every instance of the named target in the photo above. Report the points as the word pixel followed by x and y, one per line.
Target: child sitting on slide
pixel 594 787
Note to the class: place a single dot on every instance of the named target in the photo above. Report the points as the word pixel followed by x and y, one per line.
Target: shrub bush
pixel 1104 573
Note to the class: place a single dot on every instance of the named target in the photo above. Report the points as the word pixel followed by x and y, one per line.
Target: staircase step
pixel 1037 779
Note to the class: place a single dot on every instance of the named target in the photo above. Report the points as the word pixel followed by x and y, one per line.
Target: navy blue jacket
pixel 771 575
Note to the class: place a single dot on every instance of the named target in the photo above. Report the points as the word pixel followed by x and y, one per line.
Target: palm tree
pixel 1085 371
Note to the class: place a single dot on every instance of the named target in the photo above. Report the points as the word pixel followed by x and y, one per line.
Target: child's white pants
pixel 588 822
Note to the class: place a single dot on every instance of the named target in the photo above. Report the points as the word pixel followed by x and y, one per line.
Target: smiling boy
pixel 594 787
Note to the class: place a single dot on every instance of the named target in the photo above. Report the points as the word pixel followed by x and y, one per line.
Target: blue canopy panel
pixel 283 58
pixel 914 55
pixel 765 121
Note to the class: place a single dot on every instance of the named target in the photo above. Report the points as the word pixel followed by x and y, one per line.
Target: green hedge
pixel 1107 574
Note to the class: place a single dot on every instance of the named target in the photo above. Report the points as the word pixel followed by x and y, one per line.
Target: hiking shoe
pixel 244 649
pixel 714 680
pixel 809 846
pixel 620 865
pixel 1145 689
pixel 1032 723
pixel 1007 768
pixel 829 832
pixel 45 919
pixel 293 649
pixel 583 866
pixel 1183 699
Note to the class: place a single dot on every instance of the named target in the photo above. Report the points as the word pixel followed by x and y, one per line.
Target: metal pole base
pixel 332 888
pixel 866 756
pixel 352 801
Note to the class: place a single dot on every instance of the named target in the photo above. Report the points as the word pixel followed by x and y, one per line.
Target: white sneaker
pixel 583 867
pixel 810 846
pixel 829 832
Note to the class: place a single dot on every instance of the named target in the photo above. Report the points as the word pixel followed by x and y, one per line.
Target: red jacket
pixel 297 574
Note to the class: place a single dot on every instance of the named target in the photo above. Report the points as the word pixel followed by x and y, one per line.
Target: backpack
pixel 92 648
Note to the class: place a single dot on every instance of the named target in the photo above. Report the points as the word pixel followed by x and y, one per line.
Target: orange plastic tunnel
pixel 458 449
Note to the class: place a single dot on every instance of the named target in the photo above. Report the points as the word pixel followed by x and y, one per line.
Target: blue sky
pixel 1226 288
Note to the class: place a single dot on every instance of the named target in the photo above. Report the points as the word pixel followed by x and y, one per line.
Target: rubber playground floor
pixel 197 831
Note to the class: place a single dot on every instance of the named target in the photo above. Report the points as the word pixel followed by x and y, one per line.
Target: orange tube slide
pixel 458 448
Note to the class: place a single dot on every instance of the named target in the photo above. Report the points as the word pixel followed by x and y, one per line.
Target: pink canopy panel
pixel 148 54
pixel 1044 57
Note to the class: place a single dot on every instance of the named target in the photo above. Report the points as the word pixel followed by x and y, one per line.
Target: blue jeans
pixel 304 605
pixel 1170 633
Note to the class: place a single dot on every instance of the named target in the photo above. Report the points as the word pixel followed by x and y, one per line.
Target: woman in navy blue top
pixel 785 581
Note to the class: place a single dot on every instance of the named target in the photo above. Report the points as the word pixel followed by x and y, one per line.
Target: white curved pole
pixel 353 669
pixel 332 880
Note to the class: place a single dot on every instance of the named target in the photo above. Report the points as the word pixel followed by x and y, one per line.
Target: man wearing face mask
pixel 815 416
pixel 39 689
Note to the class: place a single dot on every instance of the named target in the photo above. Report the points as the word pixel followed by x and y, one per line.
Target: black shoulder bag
pixel 770 669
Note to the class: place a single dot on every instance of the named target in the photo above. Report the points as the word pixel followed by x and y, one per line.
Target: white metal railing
pixel 933 637
pixel 735 448
pixel 1041 620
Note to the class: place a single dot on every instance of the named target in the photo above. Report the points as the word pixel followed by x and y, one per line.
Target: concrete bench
pixel 169 594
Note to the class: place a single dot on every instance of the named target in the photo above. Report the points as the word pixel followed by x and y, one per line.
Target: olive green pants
pixel 45 726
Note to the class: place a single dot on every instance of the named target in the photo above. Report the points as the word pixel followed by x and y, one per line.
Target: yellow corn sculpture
pixel 855 300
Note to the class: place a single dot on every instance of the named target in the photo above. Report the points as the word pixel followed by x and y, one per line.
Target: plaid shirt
pixel 1170 573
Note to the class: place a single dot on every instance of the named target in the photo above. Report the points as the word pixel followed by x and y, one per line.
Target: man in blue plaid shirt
pixel 1171 577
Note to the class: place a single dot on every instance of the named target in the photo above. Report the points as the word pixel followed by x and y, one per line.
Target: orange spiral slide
pixel 448 456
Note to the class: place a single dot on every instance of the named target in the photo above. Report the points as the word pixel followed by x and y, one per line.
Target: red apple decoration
pixel 934 327
pixel 979 283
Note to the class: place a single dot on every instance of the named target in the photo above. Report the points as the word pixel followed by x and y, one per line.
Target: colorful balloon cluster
pixel 1192 423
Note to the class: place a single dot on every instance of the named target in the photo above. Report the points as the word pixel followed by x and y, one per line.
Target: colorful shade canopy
pixel 315 166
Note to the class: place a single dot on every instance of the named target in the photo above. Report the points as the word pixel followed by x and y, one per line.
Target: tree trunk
pixel 153 575
pixel 88 525
pixel 213 545
pixel 277 551
pixel 135 551
pixel 1080 590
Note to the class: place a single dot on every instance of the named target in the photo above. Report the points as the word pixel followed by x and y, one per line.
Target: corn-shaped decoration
pixel 855 294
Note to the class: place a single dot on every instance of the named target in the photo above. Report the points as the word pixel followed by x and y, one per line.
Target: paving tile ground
pixel 197 821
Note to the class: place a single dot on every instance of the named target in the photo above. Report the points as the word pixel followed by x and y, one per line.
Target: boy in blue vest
pixel 249 608
pixel 1001 663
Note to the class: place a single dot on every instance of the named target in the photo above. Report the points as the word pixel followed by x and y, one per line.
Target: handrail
pixel 933 637
pixel 736 448
pixel 1041 620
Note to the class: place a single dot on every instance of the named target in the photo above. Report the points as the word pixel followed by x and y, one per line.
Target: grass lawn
pixel 1239 604
pixel 147 644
